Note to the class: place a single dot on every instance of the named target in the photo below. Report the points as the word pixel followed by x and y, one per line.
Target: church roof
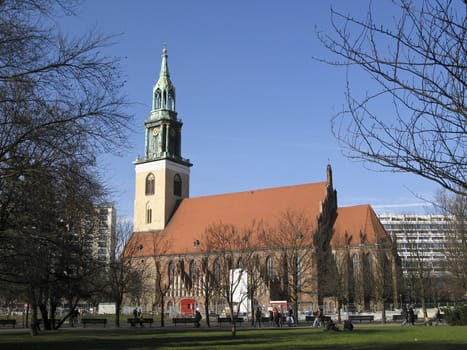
pixel 358 222
pixel 194 215
pixel 240 209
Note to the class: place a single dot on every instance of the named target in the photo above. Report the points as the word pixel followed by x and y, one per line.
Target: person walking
pixel 317 321
pixel 405 316
pixel 258 315
pixel 276 316
pixel 290 319
pixel 437 315
pixel 411 316
pixel 197 318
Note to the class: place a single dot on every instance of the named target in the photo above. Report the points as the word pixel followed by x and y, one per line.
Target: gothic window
pixel 150 184
pixel 193 270
pixel 177 185
pixel 240 263
pixel 148 215
pixel 157 99
pixel 269 268
pixel 216 270
pixel 171 100
pixel 171 271
pixel 355 266
pixel 298 271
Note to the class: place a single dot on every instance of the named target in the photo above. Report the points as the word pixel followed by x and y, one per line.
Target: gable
pixel 358 222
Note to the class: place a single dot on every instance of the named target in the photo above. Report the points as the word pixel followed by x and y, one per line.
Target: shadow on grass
pixel 206 339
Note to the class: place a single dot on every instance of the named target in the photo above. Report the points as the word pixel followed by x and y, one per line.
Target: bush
pixel 456 316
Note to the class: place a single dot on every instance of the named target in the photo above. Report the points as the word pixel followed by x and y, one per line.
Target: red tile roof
pixel 194 215
pixel 355 220
pixel 240 209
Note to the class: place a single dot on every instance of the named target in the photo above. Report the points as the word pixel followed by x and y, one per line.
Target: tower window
pixel 157 99
pixel 148 215
pixel 150 184
pixel 177 185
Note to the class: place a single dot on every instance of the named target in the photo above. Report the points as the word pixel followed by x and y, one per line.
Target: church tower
pixel 162 175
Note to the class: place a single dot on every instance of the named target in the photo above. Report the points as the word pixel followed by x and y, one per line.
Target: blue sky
pixel 255 104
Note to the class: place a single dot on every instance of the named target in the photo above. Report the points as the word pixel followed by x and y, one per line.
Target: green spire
pixel 164 91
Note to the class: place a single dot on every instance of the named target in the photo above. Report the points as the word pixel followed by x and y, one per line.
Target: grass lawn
pixel 363 337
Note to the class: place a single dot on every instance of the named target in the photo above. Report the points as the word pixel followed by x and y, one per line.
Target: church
pixel 291 244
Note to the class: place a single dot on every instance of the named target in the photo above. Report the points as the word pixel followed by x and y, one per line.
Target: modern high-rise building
pixel 102 238
pixel 420 238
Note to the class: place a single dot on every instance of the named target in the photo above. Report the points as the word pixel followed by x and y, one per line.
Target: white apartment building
pixel 103 237
pixel 419 238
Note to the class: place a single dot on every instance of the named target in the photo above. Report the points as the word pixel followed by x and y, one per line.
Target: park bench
pixel 11 322
pixel 140 321
pixel 86 321
pixel 183 320
pixel 221 320
pixel 362 318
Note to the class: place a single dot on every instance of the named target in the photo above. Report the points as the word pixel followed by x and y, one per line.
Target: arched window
pixel 150 184
pixel 171 100
pixel 177 185
pixel 240 263
pixel 355 267
pixel 216 270
pixel 269 268
pixel 148 215
pixel 157 99
pixel 171 271
pixel 193 270
pixel 298 271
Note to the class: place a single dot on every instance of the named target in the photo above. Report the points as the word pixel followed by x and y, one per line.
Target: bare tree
pixel 383 270
pixel 454 207
pixel 60 104
pixel 60 101
pixel 419 66
pixel 125 273
pixel 209 279
pixel 162 281
pixel 344 281
pixel 419 269
pixel 232 250
pixel 293 239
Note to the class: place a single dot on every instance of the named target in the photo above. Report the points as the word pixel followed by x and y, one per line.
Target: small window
pixel 150 184
pixel 148 215
pixel 177 185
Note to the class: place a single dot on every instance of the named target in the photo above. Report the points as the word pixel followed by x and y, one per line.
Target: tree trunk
pixel 383 312
pixel 117 314
pixel 162 310
pixel 34 325
pixel 206 310
pixel 234 325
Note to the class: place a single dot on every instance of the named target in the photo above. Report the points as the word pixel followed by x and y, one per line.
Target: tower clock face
pixel 155 131
pixel 172 132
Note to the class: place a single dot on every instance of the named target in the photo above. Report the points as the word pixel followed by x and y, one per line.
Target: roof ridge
pixel 258 190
